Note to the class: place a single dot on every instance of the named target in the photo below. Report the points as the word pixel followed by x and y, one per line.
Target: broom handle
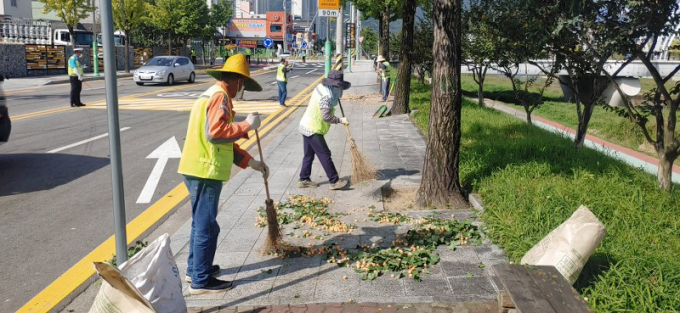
pixel 341 110
pixel 259 148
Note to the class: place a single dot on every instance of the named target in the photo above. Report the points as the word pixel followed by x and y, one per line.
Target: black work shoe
pixel 80 105
pixel 213 271
pixel 214 285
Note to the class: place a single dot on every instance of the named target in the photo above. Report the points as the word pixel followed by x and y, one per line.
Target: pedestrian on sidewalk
pixel 384 69
pixel 193 56
pixel 208 154
pixel 282 80
pixel 315 124
pixel 75 73
pixel 303 54
pixel 248 53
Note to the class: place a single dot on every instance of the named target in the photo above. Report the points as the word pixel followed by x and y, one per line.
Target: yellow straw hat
pixel 237 64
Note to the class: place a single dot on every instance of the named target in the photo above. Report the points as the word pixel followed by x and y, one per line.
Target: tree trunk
pixel 481 75
pixel 169 44
pixel 583 121
pixel 665 171
pixel 401 99
pixel 440 183
pixel 72 37
pixel 127 52
pixel 385 32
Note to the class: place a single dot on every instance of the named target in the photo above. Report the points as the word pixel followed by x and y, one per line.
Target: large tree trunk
pixel 583 121
pixel 665 171
pixel 385 32
pixel 440 183
pixel 401 99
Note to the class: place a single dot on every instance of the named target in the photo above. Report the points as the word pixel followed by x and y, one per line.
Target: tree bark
pixel 583 121
pixel 528 112
pixel 401 100
pixel 72 36
pixel 665 171
pixel 480 85
pixel 169 43
pixel 440 183
pixel 385 32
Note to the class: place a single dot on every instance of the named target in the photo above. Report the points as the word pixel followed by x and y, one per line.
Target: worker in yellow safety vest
pixel 384 70
pixel 248 53
pixel 282 80
pixel 210 149
pixel 75 73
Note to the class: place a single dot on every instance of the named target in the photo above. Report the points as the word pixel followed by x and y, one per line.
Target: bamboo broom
pixel 273 242
pixel 362 169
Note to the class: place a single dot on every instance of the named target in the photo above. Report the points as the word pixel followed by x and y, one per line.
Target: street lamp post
pixel 95 53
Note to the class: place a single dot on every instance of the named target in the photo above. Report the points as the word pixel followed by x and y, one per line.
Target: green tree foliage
pixel 70 12
pixel 370 43
pixel 127 15
pixel 477 43
pixel 383 11
pixel 422 47
pixel 166 15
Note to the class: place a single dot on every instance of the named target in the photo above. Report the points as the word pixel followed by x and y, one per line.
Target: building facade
pixel 16 9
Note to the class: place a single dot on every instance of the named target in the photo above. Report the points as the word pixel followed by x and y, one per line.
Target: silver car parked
pixel 165 69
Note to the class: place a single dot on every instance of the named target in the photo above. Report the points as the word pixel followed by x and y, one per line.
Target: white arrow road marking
pixel 169 149
pixel 83 142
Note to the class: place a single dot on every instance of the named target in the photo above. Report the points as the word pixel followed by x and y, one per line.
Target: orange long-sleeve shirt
pixel 220 129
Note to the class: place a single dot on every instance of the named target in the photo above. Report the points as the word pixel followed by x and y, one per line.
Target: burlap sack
pixel 117 294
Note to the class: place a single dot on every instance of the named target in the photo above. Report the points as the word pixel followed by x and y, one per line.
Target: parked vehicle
pixel 165 69
pixel 62 37
pixel 5 123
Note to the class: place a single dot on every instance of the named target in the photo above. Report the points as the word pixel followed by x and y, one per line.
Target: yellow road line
pixel 16 92
pixel 63 286
pixel 39 113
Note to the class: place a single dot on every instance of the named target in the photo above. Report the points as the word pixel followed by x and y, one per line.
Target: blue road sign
pixel 238 42
pixel 304 44
pixel 268 42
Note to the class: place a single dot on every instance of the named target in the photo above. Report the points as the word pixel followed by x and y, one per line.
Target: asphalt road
pixel 56 207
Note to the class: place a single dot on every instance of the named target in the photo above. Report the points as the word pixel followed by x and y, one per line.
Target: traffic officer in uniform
pixel 282 80
pixel 75 73
pixel 193 56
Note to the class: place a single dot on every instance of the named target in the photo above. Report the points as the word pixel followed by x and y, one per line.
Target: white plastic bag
pixel 154 272
pixel 117 294
pixel 569 246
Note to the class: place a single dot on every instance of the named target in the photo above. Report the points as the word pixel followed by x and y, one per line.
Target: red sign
pixel 249 43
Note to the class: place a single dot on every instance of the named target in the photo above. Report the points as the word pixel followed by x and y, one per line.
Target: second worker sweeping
pixel 315 124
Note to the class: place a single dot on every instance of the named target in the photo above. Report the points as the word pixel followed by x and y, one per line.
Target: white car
pixel 165 69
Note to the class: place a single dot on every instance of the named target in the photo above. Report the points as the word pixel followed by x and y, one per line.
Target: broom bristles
pixel 273 242
pixel 362 169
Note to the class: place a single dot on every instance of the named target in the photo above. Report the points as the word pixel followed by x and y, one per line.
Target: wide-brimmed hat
pixel 77 50
pixel 237 64
pixel 336 78
pixel 380 58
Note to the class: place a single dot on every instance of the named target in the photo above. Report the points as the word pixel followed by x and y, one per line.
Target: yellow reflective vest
pixel 386 72
pixel 74 67
pixel 312 119
pixel 280 74
pixel 200 157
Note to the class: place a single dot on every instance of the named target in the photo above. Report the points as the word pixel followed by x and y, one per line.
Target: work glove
pixel 254 120
pixel 344 121
pixel 80 78
pixel 259 166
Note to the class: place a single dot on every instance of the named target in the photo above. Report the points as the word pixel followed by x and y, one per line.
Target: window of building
pixel 275 28
pixel 13 3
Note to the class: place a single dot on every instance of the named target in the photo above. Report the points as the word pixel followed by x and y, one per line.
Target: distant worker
pixel 248 53
pixel 282 80
pixel 193 55
pixel 303 54
pixel 75 73
pixel 384 70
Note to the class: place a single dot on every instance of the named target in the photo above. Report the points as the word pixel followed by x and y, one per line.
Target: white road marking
pixel 169 149
pixel 295 76
pixel 312 71
pixel 83 142
pixel 273 83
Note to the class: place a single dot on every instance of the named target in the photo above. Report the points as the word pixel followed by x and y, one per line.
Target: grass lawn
pixel 603 124
pixel 532 180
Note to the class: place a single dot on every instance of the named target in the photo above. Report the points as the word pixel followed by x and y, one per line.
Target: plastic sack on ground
pixel 569 246
pixel 154 273
pixel 117 294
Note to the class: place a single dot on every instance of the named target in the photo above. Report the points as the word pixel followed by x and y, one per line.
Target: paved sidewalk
pixel 634 158
pixel 462 279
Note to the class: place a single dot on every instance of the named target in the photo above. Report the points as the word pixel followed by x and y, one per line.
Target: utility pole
pixel 114 132
pixel 338 31
pixel 358 34
pixel 285 26
pixel 95 53
pixel 327 54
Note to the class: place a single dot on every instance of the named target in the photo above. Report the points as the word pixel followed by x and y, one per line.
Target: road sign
pixel 329 4
pixel 238 42
pixel 350 35
pixel 329 13
pixel 304 44
pixel 268 42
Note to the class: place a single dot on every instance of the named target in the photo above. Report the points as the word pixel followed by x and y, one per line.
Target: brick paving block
pixel 294 291
pixel 473 287
pixel 427 288
pixel 245 309
pixel 279 308
pixel 315 308
pixel 482 307
pixel 462 269
pixel 297 308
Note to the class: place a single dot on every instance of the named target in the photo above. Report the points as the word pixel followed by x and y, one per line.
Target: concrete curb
pixel 88 78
